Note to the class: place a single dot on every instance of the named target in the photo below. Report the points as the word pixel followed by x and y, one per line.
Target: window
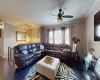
pixel 51 36
pixel 57 37
pixel 67 36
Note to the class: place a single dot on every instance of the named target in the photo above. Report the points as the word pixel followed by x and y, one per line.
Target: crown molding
pixel 91 9
pixel 17 21
pixel 75 21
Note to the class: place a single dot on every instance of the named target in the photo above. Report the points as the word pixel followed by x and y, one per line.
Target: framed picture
pixel 20 36
pixel 97 26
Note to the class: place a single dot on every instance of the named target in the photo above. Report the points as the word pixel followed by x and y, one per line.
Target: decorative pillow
pixel 24 52
pixel 41 47
pixel 88 58
pixel 66 50
pixel 61 49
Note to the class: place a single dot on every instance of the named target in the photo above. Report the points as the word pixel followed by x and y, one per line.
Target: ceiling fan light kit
pixel 59 19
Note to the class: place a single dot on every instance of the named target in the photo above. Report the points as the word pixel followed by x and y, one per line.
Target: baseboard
pixel 2 56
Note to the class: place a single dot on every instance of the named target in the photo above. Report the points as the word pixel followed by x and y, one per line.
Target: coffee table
pixel 48 70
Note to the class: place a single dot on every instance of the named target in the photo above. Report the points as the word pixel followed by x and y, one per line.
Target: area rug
pixel 63 73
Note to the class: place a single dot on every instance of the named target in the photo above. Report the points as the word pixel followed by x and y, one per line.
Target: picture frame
pixel 20 36
pixel 97 26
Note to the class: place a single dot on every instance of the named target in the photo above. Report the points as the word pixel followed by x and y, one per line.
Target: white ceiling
pixel 38 11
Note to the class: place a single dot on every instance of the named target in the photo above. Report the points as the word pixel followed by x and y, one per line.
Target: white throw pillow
pixel 41 47
pixel 88 58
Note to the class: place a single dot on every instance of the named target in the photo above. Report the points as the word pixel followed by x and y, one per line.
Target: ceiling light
pixel 59 19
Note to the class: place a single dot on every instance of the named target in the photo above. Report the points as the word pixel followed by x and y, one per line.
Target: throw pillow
pixel 41 47
pixel 65 50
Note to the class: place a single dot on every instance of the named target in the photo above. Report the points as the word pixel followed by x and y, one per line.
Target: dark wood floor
pixel 7 71
pixel 75 66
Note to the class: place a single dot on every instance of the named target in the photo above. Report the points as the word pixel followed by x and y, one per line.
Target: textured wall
pixel 33 35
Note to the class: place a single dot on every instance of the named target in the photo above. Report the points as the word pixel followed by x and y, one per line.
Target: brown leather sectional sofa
pixel 25 54
pixel 61 51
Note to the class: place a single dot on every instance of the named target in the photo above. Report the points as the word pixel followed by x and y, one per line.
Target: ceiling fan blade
pixel 53 15
pixel 62 13
pixel 67 16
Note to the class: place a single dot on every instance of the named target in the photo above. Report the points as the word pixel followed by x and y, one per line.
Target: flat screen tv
pixel 97 26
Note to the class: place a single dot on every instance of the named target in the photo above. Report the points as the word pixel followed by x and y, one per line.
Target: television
pixel 97 26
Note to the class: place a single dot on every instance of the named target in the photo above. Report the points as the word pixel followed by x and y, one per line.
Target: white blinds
pixel 67 36
pixel 57 36
pixel 51 36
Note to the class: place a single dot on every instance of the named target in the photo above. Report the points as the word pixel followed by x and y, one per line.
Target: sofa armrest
pixel 19 55
pixel 20 60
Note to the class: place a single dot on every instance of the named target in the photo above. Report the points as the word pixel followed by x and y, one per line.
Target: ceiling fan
pixel 61 15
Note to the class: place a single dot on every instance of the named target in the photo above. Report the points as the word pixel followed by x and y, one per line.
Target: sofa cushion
pixel 37 53
pixel 33 45
pixel 34 50
pixel 28 57
pixel 66 50
pixel 29 48
pixel 22 47
pixel 38 48
pixel 37 44
pixel 24 52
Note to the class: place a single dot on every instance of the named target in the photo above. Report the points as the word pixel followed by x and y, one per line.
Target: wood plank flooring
pixel 7 71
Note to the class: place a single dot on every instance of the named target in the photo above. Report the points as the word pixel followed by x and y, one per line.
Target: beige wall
pixel 44 35
pixel 90 31
pixel 78 30
pixel 10 37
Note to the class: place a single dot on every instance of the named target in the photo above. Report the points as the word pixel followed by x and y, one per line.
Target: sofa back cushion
pixel 37 46
pixel 33 47
pixel 29 48
pixel 56 46
pixel 24 52
pixel 22 49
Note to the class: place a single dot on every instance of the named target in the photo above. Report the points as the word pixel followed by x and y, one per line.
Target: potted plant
pixel 75 40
